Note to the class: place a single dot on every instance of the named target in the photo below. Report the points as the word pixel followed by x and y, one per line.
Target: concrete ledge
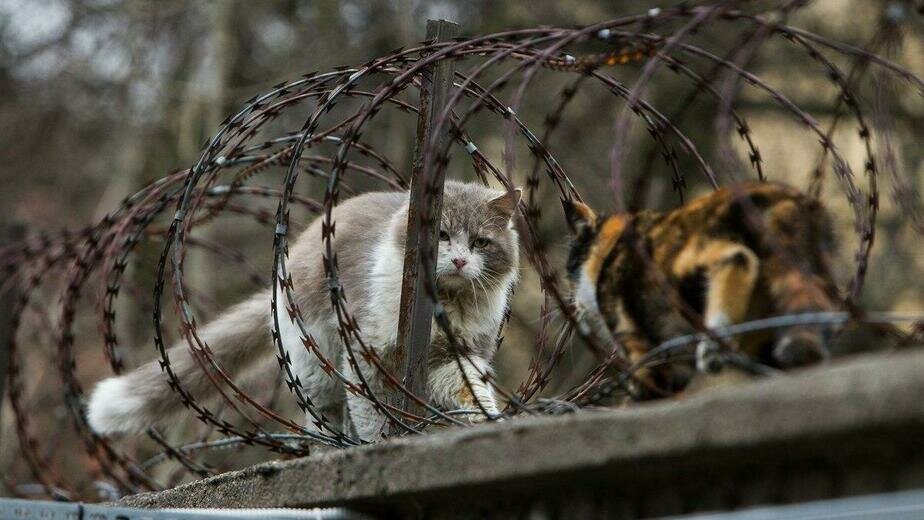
pixel 850 428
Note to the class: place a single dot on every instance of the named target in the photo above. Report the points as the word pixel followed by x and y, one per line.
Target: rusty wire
pixel 87 267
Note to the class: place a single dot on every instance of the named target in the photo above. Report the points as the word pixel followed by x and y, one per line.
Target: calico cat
pixel 476 269
pixel 742 252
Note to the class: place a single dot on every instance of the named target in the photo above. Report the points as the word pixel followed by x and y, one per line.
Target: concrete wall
pixel 853 428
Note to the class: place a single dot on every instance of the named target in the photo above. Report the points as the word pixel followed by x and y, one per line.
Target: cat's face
pixel 477 243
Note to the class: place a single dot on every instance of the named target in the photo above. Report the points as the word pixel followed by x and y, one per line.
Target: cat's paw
pixel 708 356
pixel 478 415
pixel 487 409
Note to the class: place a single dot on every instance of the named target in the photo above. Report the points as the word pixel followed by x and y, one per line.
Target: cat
pixel 476 269
pixel 742 252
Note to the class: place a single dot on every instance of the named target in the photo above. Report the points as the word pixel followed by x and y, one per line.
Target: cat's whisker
pixel 484 289
pixel 475 296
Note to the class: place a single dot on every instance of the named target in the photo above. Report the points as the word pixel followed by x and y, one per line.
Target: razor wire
pixel 82 273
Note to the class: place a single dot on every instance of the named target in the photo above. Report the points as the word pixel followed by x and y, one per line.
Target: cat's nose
pixel 459 263
pixel 800 348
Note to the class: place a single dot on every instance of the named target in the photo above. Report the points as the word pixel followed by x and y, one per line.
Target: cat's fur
pixel 369 241
pixel 724 265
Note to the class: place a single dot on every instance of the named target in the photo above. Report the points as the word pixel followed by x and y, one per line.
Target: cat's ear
pixel 506 204
pixel 578 215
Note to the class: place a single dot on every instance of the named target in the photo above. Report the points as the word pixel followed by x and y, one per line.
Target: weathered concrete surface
pixel 853 427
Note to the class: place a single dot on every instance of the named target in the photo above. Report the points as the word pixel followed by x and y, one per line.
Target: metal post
pixel 416 309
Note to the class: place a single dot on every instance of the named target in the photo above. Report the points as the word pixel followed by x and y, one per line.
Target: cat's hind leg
pixel 318 385
pixel 363 414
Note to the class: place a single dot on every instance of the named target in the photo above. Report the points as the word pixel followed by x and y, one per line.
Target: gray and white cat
pixel 477 267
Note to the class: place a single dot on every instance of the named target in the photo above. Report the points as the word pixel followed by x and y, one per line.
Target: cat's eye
pixel 443 235
pixel 480 242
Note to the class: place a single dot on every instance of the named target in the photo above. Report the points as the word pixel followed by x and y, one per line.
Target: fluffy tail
pixel 132 402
